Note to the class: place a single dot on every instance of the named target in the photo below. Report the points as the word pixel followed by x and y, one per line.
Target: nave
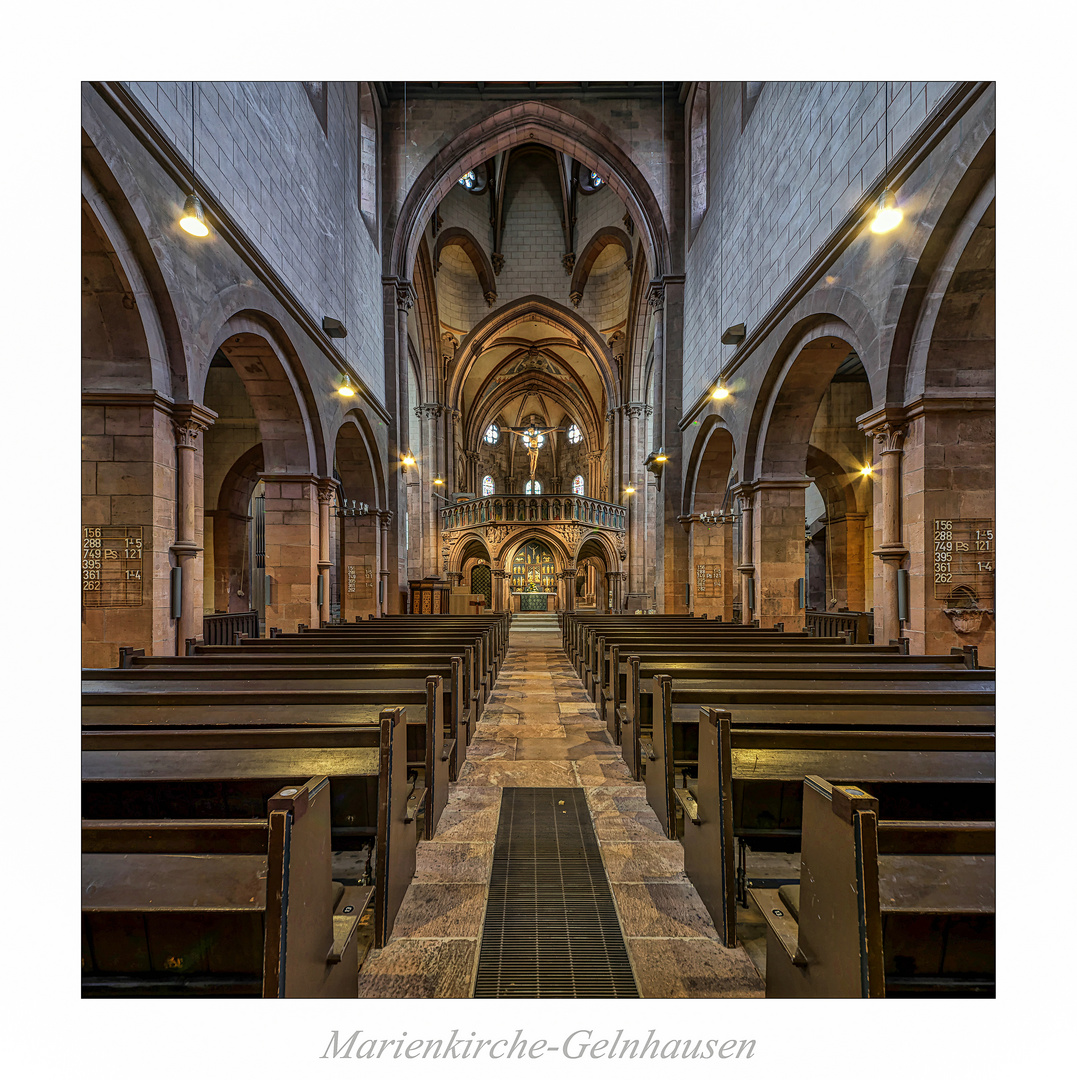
pixel 541 730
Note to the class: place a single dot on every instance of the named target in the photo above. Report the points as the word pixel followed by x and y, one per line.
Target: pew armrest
pixel 416 802
pixel 781 923
pixel 344 928
pixel 647 749
pixel 447 749
pixel 688 805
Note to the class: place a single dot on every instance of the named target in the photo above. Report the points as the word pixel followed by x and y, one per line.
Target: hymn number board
pixel 964 556
pixel 708 579
pixel 111 565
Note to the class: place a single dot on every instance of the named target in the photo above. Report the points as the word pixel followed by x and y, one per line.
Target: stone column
pixel 746 567
pixel 397 299
pixel 567 585
pixel 385 576
pixel 889 438
pixel 326 490
pixel 779 550
pixel 429 466
pixel 637 413
pixel 616 580
pixel 500 590
pixel 189 421
pixel 845 535
pixel 671 542
pixel 472 480
pixel 292 548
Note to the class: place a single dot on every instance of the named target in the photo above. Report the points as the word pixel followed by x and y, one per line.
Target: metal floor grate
pixel 551 927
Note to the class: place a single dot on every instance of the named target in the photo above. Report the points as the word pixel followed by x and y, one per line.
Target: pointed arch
pixel 454 236
pixel 530 121
pixel 598 243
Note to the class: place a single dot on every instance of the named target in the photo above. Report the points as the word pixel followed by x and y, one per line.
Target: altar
pixel 534 601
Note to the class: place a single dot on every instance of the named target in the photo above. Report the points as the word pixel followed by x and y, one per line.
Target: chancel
pixel 538 539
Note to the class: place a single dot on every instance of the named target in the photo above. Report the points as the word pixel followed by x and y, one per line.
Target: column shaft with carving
pixel 746 567
pixel 326 490
pixel 889 437
pixel 189 422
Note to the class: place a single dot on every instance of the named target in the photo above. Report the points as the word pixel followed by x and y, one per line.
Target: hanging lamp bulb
pixel 194 219
pixel 346 389
pixel 887 214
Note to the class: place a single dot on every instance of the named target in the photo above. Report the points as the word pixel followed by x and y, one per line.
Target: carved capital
pixel 497 260
pixel 326 490
pixel 568 261
pixel 489 297
pixel 405 295
pixel 629 224
pixel 635 409
pixel 189 421
pixel 429 410
pixel 472 456
pixel 575 297
pixel 385 518
pixel 656 295
pixel 500 574
pixel 890 436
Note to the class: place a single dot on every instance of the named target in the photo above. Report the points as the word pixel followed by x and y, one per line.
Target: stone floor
pixel 540 730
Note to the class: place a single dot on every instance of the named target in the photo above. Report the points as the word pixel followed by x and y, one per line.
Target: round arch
pixel 709 465
pixel 470 546
pixel 105 202
pixel 529 121
pixel 790 393
pixel 278 390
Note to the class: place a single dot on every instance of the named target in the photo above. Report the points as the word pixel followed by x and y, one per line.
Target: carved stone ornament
pixel 448 346
pixel 496 535
pixel 568 261
pixel 572 533
pixel 497 260
pixel 405 296
pixel 656 296
pixel 575 297
pixel 489 297
pixel 966 620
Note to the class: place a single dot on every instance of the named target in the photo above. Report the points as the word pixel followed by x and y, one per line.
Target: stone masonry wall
pixel 806 155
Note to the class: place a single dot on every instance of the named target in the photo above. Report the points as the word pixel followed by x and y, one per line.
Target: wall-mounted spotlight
pixel 334 327
pixel 408 459
pixel 438 480
pixel 721 392
pixel 346 389
pixel 866 471
pixel 734 334
pixel 655 460
pixel 630 490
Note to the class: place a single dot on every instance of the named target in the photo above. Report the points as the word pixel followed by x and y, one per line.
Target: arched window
pixel 596 180
pixel 493 433
pixel 574 434
pixel 533 487
pixel 487 485
pixel 577 486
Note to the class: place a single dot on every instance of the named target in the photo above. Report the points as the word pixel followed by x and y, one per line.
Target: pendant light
pixel 887 214
pixel 194 218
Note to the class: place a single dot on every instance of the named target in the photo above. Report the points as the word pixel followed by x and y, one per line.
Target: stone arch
pixel 955 205
pixel 781 402
pixel 561 555
pixel 357 462
pixel 529 121
pixel 601 540
pixel 123 243
pixel 539 309
pixel 231 588
pixel 273 379
pixel 455 236
pixel 591 251
pixel 960 304
pixel 472 544
pixel 709 465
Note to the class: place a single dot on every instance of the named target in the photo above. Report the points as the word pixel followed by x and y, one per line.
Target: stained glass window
pixel 577 486
pixel 533 487
pixel 487 485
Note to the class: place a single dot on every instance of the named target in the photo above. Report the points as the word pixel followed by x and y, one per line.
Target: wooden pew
pixel 174 760
pixel 394 640
pixel 615 689
pixel 434 732
pixel 822 684
pixel 883 907
pixel 221 908
pixel 747 786
pixel 432 705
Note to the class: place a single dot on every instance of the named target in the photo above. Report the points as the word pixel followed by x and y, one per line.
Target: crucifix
pixel 532 436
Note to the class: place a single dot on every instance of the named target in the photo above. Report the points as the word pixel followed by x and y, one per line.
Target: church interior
pixel 538 540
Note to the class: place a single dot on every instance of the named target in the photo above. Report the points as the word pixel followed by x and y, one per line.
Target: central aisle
pixel 540 730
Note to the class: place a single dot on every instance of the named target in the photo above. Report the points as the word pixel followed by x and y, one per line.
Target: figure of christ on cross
pixel 531 437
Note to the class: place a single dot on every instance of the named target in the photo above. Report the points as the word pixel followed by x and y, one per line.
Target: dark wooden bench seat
pixel 883 907
pixel 774 685
pixel 220 908
pixel 737 791
pixel 400 641
pixel 431 706
pixel 141 766
pixel 722 659
pixel 343 655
